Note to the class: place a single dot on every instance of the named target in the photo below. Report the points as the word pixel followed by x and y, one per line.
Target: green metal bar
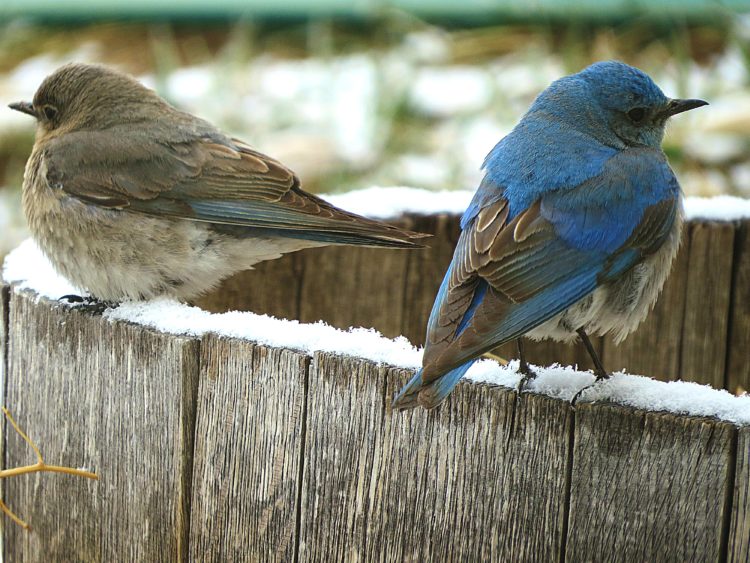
pixel 531 9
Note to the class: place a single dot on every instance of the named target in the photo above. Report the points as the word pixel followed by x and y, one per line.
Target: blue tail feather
pixel 414 393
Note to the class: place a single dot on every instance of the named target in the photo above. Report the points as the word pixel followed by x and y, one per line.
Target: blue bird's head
pixel 617 104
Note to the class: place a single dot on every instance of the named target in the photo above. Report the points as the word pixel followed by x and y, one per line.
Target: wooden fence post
pixel 709 286
pixel 249 435
pixel 649 486
pixel 739 531
pixel 118 399
pixel 482 478
pixel 738 361
pixel 222 449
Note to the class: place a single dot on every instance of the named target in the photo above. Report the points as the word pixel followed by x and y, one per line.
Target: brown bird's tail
pixel 344 227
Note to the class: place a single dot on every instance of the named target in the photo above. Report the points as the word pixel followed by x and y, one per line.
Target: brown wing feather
pixel 164 178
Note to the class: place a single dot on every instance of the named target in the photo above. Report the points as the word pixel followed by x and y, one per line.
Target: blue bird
pixel 571 232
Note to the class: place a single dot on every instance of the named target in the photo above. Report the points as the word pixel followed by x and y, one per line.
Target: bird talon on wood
pixel 88 304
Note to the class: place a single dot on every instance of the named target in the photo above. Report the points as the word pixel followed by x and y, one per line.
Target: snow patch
pixel 637 391
pixel 717 208
pixel 390 202
pixel 387 203
pixel 28 268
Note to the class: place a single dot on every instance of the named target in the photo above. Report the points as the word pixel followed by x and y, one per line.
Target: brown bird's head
pixel 82 96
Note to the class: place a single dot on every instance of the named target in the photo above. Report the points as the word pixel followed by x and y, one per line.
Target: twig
pixel 40 465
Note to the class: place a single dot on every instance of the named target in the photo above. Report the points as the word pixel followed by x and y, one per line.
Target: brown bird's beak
pixel 23 107
pixel 678 106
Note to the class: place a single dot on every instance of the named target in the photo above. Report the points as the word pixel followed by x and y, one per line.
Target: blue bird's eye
pixel 636 115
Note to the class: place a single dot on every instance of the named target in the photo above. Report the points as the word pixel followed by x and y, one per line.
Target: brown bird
pixel 131 198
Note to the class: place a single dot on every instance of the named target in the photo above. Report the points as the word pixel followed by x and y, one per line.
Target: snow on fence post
pixel 221 449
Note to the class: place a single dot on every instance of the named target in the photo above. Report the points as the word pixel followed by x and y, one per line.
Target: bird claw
pixel 528 375
pixel 87 304
pixel 600 376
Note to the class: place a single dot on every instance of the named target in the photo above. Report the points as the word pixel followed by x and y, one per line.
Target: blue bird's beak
pixel 678 106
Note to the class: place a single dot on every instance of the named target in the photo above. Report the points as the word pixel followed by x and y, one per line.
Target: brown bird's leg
pixel 599 370
pixel 523 367
pixel 88 304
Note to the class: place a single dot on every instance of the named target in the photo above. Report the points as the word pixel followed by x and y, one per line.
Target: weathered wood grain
pixel 4 319
pixel 249 434
pixel 117 399
pixel 4 314
pixel 470 481
pixel 739 530
pixel 355 287
pixel 425 270
pixel 345 417
pixel 483 478
pixel 709 280
pixel 272 288
pixel 647 486
pixel 654 348
pixel 738 366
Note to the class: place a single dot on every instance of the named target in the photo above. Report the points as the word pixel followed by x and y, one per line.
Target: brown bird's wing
pixel 216 180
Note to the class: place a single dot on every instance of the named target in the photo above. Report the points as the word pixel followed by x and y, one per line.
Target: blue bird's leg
pixel 523 367
pixel 599 370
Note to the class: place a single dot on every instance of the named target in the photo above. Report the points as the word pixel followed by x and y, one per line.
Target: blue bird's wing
pixel 215 180
pixel 511 274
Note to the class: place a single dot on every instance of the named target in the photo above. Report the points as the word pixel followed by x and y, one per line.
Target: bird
pixel 131 198
pixel 571 232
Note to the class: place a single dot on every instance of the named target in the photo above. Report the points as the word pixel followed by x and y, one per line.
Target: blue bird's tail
pixel 414 393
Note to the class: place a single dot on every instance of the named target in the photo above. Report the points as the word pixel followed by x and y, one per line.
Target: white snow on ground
pixel 27 268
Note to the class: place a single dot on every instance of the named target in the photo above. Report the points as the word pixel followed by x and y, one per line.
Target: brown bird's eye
pixel 636 115
pixel 50 112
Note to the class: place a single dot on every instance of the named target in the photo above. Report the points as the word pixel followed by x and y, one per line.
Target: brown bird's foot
pixel 87 304
pixel 523 368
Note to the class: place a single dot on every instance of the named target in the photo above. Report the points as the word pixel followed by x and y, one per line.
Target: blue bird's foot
pixel 87 304
pixel 599 370
pixel 523 368
pixel 600 376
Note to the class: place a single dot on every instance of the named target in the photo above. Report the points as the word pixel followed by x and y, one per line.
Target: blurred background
pixel 352 94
